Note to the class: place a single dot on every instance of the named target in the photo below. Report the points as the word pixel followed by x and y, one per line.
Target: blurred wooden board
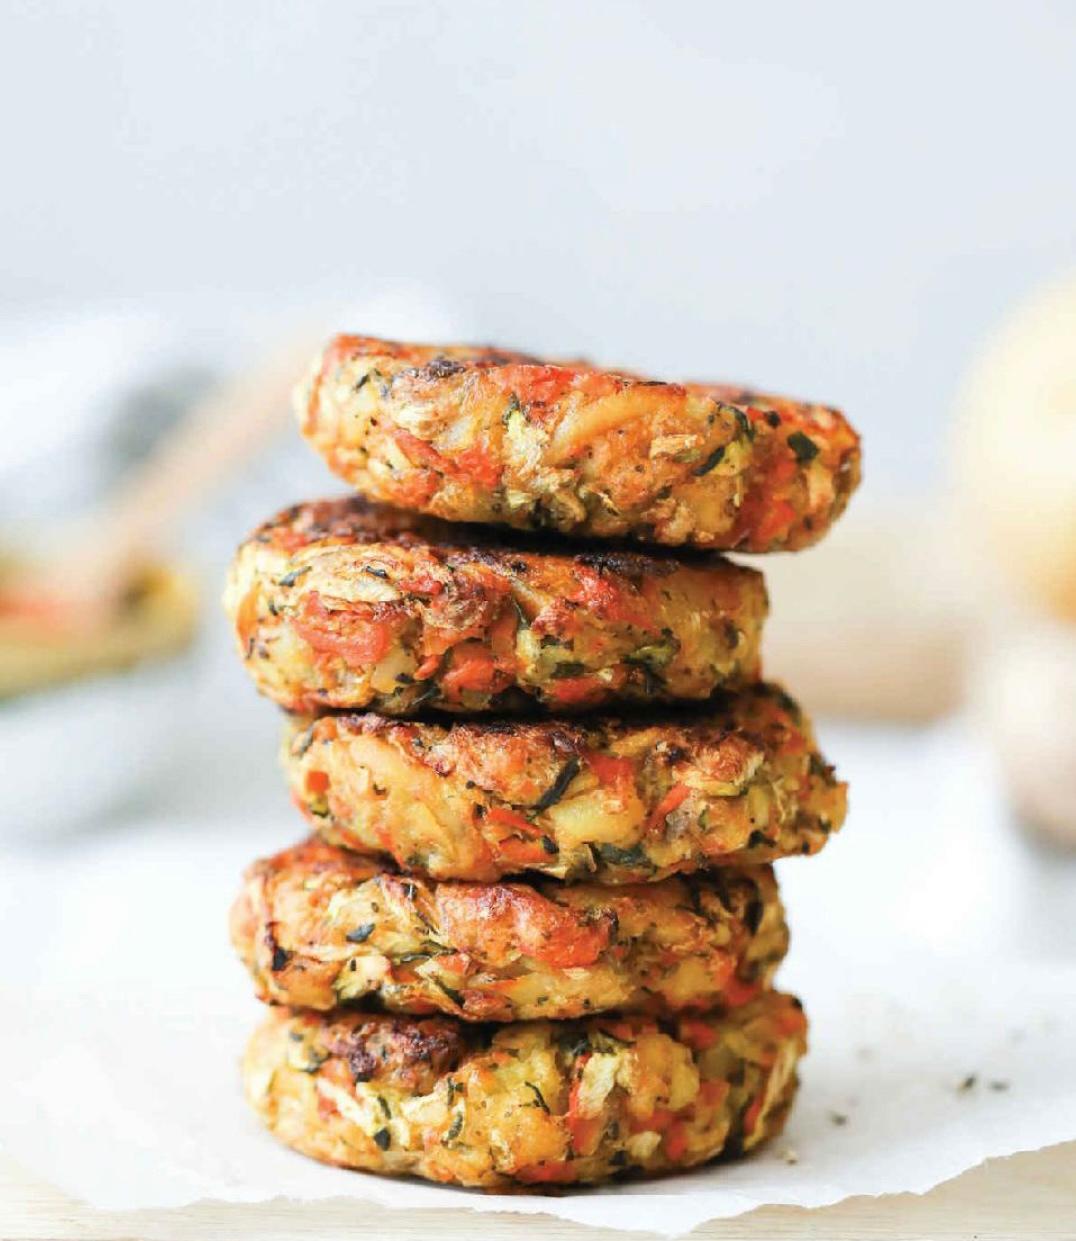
pixel 1031 1196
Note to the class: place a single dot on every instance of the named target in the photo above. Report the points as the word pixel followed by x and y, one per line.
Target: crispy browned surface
pixel 486 435
pixel 344 604
pixel 619 800
pixel 318 927
pixel 526 1104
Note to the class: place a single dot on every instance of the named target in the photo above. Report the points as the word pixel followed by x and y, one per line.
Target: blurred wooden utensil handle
pixel 220 431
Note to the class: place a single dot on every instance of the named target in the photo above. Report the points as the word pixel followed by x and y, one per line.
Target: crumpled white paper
pixel 932 948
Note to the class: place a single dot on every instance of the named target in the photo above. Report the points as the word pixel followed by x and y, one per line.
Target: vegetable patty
pixel 616 800
pixel 346 604
pixel 534 1103
pixel 485 435
pixel 319 927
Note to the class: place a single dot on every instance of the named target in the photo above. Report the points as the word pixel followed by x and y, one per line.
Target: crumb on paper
pixel 998 1084
pixel 838 1118
pixel 789 1155
pixel 968 1083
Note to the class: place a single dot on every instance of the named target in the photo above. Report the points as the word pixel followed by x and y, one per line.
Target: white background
pixel 835 199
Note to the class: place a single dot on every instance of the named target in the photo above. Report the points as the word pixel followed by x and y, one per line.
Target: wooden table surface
pixel 1023 1198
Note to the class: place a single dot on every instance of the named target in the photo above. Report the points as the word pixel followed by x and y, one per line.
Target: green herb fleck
pixel 570 668
pixel 613 855
pixel 804 448
pixel 514 407
pixel 455 996
pixel 744 423
pixel 559 787
pixel 655 655
pixel 715 458
pixel 539 1098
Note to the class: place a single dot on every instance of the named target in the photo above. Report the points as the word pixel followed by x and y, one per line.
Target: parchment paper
pixel 933 951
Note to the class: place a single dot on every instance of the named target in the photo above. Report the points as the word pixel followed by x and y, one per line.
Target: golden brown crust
pixel 486 435
pixel 533 1104
pixel 616 800
pixel 319 927
pixel 345 604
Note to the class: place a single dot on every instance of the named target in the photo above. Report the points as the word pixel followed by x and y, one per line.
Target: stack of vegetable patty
pixel 532 937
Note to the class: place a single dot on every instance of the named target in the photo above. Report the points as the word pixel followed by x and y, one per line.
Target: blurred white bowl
pixel 1025 687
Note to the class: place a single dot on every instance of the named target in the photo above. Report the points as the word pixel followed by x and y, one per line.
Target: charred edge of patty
pixel 737 889
pixel 356 521
pixel 405 1049
pixel 411 1052
pixel 715 718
